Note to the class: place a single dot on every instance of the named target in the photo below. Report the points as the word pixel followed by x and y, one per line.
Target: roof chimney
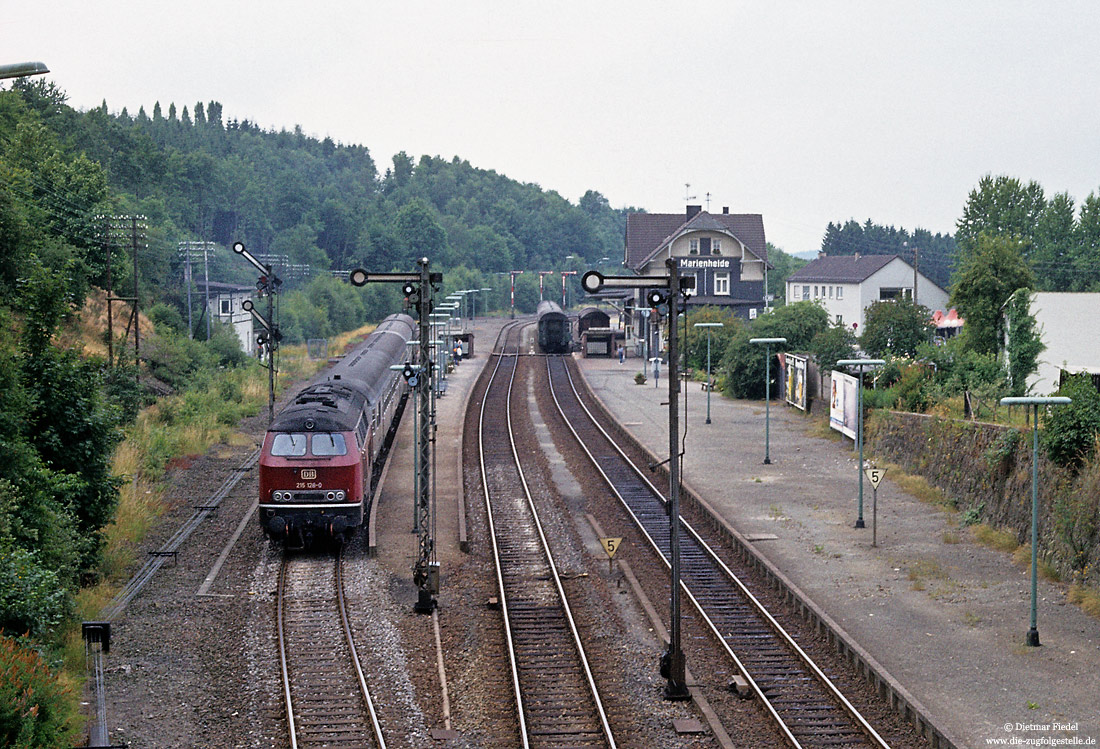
pixel 725 210
pixel 821 254
pixel 693 210
pixel 856 257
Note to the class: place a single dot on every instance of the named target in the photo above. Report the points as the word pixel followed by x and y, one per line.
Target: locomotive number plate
pixel 308 474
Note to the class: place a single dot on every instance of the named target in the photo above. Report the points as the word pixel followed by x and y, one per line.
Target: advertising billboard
pixel 843 403
pixel 795 386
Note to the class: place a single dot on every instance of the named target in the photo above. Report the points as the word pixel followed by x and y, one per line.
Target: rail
pixel 556 695
pixel 309 628
pixel 803 702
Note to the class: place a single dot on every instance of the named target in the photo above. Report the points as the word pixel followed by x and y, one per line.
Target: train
pixel 555 329
pixel 322 454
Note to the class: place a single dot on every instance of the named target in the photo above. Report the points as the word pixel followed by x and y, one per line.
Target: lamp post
pixel 1035 402
pixel 708 326
pixel 861 363
pixel 441 321
pixel 484 290
pixel 767 391
pixel 23 69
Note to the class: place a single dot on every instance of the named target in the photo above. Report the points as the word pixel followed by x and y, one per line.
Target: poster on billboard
pixel 795 385
pixel 843 403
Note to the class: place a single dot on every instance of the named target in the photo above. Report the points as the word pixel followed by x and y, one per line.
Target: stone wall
pixel 984 470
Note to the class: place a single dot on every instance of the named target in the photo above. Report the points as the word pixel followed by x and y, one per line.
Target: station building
pixel 725 252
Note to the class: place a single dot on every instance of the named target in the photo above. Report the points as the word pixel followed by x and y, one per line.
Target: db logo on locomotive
pixel 309 473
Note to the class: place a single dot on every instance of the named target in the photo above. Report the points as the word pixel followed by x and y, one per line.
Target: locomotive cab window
pixel 289 445
pixel 325 444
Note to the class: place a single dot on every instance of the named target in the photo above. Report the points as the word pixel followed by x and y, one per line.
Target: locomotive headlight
pixel 340 496
pixel 330 496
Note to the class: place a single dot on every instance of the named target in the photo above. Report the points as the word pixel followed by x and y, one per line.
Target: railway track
pixel 557 701
pixel 802 701
pixel 326 697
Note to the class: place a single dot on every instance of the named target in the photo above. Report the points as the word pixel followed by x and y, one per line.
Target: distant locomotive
pixel 555 330
pixel 322 453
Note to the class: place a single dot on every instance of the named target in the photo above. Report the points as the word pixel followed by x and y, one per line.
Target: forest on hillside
pixel 197 175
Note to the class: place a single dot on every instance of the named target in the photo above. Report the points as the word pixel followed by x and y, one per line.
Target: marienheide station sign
pixel 704 263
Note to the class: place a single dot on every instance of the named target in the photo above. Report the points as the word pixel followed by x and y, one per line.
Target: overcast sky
pixel 805 112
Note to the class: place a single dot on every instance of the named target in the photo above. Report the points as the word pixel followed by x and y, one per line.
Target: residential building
pixel 846 285
pixel 1060 318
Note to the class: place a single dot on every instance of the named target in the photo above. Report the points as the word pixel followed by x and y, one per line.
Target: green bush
pixel 225 347
pixel 914 389
pixel 959 370
pixel 167 318
pixel 1069 432
pixel 743 364
pixel 125 392
pixel 31 597
pixel 879 398
pixel 36 710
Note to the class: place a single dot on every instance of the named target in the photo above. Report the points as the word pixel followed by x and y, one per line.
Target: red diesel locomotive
pixel 323 452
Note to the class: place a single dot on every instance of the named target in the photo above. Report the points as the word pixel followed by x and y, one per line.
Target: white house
pixel 846 285
pixel 225 306
pixel 1066 322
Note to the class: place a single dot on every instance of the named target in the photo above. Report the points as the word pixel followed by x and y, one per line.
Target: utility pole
pixel 116 230
pixel 916 264
pixel 190 251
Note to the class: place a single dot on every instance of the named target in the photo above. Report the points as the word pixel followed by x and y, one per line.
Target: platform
pixel 945 616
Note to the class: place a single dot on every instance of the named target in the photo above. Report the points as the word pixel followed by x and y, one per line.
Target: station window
pixel 226 307
pixel 716 246
pixel 805 293
pixel 693 246
pixel 721 284
pixel 839 292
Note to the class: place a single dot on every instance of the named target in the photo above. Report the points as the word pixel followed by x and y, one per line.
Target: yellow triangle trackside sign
pixel 874 475
pixel 610 546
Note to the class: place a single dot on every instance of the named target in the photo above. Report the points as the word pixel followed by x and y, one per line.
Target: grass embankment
pixel 170 432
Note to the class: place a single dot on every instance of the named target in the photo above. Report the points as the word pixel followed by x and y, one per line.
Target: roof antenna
pixel 708 202
pixel 687 192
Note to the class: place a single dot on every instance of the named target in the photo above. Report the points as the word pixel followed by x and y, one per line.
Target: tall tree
pixel 992 269
pixel 1023 342
pixel 1054 240
pixel 1000 206
pixel 896 327
pixel 1087 247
